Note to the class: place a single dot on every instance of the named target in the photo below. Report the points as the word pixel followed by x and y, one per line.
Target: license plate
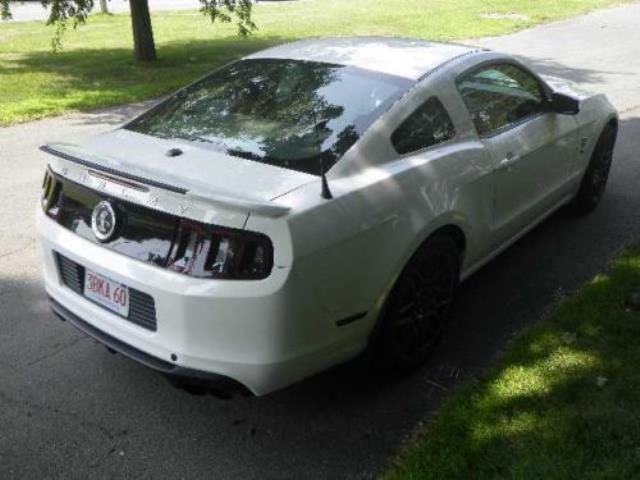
pixel 108 293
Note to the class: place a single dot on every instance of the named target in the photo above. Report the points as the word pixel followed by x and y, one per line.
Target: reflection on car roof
pixel 396 56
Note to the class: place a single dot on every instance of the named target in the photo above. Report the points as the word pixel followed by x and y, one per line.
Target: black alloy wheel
pixel 420 305
pixel 595 178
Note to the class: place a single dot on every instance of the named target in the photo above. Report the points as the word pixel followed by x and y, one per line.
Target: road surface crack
pixel 18 250
pixel 56 352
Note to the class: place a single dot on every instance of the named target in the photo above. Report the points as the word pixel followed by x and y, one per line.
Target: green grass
pixel 564 403
pixel 96 68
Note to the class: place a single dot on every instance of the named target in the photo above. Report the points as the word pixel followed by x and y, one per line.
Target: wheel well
pixel 614 123
pixel 451 230
pixel 454 232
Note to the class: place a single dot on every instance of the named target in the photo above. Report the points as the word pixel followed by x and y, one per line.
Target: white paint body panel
pixel 333 258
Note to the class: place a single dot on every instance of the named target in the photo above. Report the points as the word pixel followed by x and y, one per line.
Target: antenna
pixel 326 193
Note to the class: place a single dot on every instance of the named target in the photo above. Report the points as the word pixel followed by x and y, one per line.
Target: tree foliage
pixel 75 12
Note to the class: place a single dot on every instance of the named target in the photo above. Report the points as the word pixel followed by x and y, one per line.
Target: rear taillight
pixel 47 188
pixel 199 250
pixel 50 192
pixel 216 252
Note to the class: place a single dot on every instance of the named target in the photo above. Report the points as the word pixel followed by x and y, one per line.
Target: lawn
pixel 96 68
pixel 564 402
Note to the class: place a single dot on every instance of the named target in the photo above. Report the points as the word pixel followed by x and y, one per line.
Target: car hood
pixel 199 171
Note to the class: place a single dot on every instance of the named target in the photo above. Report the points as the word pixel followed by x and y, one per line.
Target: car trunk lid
pixel 200 173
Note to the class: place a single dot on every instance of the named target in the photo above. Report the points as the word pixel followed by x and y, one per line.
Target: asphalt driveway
pixel 33 10
pixel 69 409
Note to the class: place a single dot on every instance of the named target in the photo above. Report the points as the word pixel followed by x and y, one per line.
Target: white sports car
pixel 311 202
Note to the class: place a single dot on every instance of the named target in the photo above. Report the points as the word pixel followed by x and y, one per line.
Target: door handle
pixel 507 162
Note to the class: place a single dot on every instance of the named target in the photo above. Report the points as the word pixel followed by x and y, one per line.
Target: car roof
pixel 402 57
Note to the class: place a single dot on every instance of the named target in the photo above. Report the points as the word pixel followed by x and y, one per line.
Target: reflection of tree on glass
pixel 286 113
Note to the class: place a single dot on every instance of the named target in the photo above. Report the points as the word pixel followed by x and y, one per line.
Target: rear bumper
pixel 262 334
pixel 218 382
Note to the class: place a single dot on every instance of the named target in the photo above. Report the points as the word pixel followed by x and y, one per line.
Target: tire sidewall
pixel 586 200
pixel 382 348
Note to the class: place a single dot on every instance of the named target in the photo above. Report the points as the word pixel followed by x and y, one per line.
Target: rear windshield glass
pixel 288 113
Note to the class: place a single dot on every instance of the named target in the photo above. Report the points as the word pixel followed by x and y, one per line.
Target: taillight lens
pixel 47 187
pixel 216 252
pixel 50 192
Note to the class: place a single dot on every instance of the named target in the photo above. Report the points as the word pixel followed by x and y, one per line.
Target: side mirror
pixel 564 104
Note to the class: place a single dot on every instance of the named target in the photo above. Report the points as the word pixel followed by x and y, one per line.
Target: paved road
pixel 33 10
pixel 70 410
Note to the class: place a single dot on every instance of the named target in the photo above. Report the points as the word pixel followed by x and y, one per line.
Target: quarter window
pixel 499 96
pixel 429 125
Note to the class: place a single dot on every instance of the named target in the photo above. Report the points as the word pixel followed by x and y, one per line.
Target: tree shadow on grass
pixel 563 404
pixel 86 79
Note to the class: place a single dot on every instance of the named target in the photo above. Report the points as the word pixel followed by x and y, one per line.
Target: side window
pixel 500 95
pixel 429 125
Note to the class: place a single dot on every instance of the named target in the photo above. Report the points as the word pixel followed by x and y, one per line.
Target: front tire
pixel 595 178
pixel 419 306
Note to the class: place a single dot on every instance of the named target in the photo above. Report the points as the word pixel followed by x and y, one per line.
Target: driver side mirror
pixel 564 104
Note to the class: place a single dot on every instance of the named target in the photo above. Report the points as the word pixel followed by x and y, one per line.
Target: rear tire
pixel 419 307
pixel 595 178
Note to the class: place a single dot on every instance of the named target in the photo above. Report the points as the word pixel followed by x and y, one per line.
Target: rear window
pixel 288 113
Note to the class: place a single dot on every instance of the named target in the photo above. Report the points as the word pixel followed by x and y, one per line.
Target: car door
pixel 532 148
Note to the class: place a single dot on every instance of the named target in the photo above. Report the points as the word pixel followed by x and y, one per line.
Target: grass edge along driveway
pixel 564 401
pixel 96 68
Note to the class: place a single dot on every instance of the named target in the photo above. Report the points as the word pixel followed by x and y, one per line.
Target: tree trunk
pixel 103 6
pixel 143 44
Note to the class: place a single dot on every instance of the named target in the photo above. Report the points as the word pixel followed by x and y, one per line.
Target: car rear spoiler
pixel 243 203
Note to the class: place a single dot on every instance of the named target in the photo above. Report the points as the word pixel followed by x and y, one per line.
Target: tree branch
pixel 224 11
pixel 76 11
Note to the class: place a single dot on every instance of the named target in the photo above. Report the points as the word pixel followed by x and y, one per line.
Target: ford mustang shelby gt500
pixel 311 202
